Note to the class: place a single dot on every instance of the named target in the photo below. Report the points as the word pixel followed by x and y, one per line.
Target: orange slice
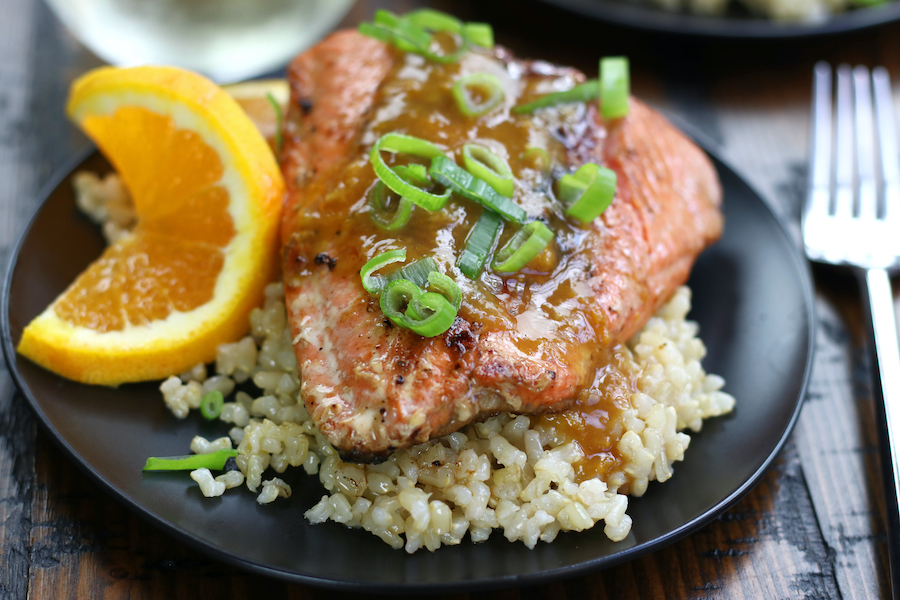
pixel 207 193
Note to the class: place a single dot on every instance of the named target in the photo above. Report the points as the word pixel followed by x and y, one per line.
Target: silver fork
pixel 852 217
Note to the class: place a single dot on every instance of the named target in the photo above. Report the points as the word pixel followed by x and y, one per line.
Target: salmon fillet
pixel 533 342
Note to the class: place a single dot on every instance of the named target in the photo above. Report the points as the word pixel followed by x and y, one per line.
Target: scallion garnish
pixel 410 32
pixel 527 243
pixel 588 192
pixel 211 405
pixel 482 34
pixel 447 287
pixel 375 283
pixel 385 216
pixel 583 92
pixel 484 164
pixel 279 141
pixel 448 173
pixel 477 93
pixel 215 461
pixel 615 87
pixel 407 186
pixel 479 244
pixel 407 305
pixel 416 271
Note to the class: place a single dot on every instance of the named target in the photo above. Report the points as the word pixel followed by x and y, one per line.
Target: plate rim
pixel 541 577
pixel 651 19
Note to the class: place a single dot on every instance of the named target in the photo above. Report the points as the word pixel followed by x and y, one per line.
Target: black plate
pixel 736 23
pixel 753 300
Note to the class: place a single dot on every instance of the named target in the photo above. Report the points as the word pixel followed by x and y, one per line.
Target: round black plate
pixel 736 24
pixel 752 297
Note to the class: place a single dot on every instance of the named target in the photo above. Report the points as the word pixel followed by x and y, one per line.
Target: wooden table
pixel 813 528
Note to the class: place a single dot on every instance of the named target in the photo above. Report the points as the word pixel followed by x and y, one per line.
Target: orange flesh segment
pixel 140 281
pixel 188 201
pixel 175 257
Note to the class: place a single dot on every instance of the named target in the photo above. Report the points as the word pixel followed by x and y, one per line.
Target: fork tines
pixel 854 184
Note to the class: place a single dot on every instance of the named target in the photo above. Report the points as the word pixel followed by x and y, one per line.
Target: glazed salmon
pixel 531 342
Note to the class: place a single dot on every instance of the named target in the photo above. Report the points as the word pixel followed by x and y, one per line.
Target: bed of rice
pixel 506 473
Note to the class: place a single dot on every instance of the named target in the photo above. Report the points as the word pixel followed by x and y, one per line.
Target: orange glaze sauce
pixel 544 308
pixel 595 422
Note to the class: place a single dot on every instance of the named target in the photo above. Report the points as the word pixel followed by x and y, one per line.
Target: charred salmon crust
pixel 529 343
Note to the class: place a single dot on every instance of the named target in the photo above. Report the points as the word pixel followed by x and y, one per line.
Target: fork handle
pixel 885 363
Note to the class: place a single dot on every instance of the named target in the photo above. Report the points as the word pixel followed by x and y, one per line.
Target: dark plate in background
pixel 752 298
pixel 735 24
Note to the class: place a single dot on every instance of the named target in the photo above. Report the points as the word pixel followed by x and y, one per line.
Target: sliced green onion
pixel 527 243
pixel 482 34
pixel 401 213
pixel 468 88
pixel 584 92
pixel 447 287
pixel 397 30
pixel 434 20
pixel 615 87
pixel 389 220
pixel 214 461
pixel 396 298
pixel 588 192
pixel 407 305
pixel 445 171
pixel 479 244
pixel 375 283
pixel 413 32
pixel 537 159
pixel 211 405
pixel 440 314
pixel 486 165
pixel 416 271
pixel 279 141
pixel 407 144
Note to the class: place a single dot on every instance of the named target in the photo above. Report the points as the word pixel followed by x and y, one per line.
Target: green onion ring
pixel 527 243
pixel 409 306
pixel 584 92
pixel 447 287
pixel 376 199
pixel 588 192
pixel 214 461
pixel 375 283
pixel 482 34
pixel 486 165
pixel 396 298
pixel 479 244
pixel 407 144
pixel 440 314
pixel 446 172
pixel 435 21
pixel 464 88
pixel 416 271
pixel 615 82
pixel 211 405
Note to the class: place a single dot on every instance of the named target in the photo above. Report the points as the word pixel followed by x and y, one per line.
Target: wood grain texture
pixel 813 528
